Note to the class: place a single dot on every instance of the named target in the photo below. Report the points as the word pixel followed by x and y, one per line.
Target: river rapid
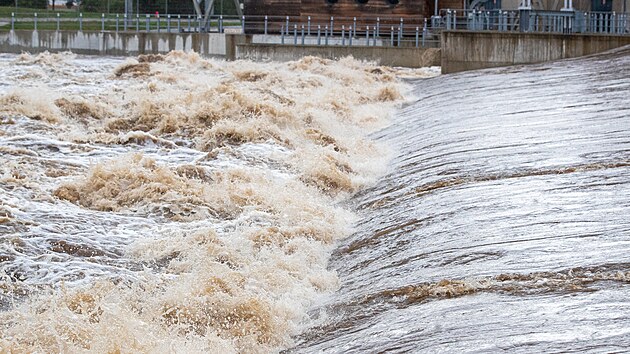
pixel 178 204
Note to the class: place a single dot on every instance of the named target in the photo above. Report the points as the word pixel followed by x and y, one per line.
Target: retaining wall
pixel 465 50
pixel 392 56
pixel 112 43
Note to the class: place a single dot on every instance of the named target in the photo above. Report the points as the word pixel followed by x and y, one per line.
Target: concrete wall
pixel 112 43
pixel 391 56
pixel 464 50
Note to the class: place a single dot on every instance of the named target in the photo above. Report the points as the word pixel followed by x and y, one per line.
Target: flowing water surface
pixel 177 204
pixel 503 222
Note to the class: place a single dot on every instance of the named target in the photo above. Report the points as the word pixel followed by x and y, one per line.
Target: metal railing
pixel 536 21
pixel 340 31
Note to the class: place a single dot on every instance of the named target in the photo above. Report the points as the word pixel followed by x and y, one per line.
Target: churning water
pixel 171 203
pixel 176 204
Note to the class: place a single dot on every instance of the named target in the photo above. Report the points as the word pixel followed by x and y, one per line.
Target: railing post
pixel 332 25
pixel 58 22
pixel 13 21
pixel 378 27
pixel 326 35
pixel 373 37
pixel 319 34
pixel 220 24
pixel 282 34
pixel 294 34
pixel 137 23
pixel 102 22
pixel 308 26
pixel 454 19
pixel 188 23
pixel 266 24
pixel 287 26
pixel 117 22
pixel 354 26
pixel 367 35
pixel 80 22
pixel 125 22
pixel 448 19
pixel 424 32
pixel 350 36
pixel 343 34
pixel 199 23
pixel 243 24
pixel 399 36
pixel 392 36
pixel 302 34
pixel 35 21
pixel 146 23
pixel 179 23
pixel 417 36
pixel 168 23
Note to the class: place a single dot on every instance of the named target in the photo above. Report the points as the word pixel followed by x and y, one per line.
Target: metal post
pixel 424 33
pixel 332 25
pixel 309 26
pixel 243 24
pixel 367 35
pixel 399 36
pixel 266 24
pixel 137 23
pixel 179 23
pixel 282 34
pixel 373 37
pixel 189 22
pixel 350 36
pixel 319 34
pixel 220 24
pixel 199 24
pixel 401 26
pixel 125 22
pixel 343 34
pixel 57 22
pixel 146 23
pixel 117 22
pixel 454 19
pixel 392 36
pixel 13 21
pixel 168 23
pixel 326 36
pixel 378 27
pixel 302 34
pixel 287 26
pixel 294 34
pixel 354 26
pixel 81 22
pixel 417 36
pixel 35 21
pixel 102 22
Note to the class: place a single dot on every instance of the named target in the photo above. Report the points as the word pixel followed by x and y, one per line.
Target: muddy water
pixel 176 204
pixel 503 223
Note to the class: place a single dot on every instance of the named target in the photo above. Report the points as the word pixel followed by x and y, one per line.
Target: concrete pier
pixel 467 50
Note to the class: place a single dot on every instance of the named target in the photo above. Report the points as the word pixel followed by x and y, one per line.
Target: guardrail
pixel 344 31
pixel 536 21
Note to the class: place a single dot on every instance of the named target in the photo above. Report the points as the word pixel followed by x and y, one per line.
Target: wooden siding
pixel 412 12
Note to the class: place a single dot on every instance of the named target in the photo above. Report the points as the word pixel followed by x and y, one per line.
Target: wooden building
pixel 343 12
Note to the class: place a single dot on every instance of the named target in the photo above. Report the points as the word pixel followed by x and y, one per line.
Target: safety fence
pixel 537 21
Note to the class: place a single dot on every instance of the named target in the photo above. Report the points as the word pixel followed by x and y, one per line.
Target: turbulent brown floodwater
pixel 176 204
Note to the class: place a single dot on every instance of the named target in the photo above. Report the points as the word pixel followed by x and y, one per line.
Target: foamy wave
pixel 238 170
